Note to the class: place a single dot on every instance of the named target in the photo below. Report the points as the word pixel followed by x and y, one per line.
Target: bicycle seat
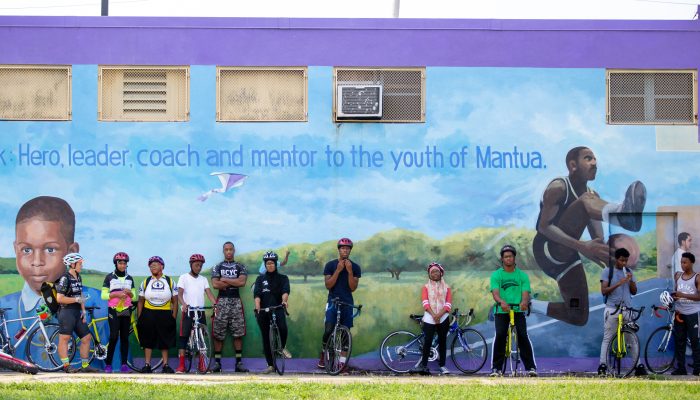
pixel 5 309
pixel 416 317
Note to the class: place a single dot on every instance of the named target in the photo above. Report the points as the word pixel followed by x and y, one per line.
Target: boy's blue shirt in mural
pixel 23 304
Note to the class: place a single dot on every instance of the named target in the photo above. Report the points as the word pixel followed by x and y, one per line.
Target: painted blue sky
pixel 154 210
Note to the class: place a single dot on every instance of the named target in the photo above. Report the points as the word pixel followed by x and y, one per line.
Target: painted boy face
pixel 39 248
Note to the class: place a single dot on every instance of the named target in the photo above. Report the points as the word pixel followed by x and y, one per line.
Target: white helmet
pixel 665 298
pixel 71 258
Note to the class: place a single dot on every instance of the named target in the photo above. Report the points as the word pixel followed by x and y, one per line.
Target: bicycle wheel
pixel 338 350
pixel 401 350
pixel 71 349
pixel 512 358
pixel 41 351
pixel 15 364
pixel 276 350
pixel 623 359
pixel 199 351
pixel 136 359
pixel 469 350
pixel 659 351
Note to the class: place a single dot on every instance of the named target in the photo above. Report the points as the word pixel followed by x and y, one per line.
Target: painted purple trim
pixel 350 42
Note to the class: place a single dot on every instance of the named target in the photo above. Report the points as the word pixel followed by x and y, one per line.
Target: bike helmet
pixel 665 298
pixel 345 242
pixel 270 256
pixel 197 257
pixel 71 258
pixel 438 266
pixel 508 248
pixel 156 258
pixel 121 256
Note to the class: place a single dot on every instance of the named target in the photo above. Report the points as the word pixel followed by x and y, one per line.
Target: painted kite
pixel 228 181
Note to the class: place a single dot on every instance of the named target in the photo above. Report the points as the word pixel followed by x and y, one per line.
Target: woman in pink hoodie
pixel 437 302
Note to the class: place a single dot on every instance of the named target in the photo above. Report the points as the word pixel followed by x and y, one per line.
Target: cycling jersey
pixel 158 293
pixel 114 283
pixel 70 286
pixel 228 270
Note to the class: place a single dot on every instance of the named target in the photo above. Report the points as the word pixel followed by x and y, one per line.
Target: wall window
pixel 658 97
pixel 402 94
pixel 261 94
pixel 130 93
pixel 35 92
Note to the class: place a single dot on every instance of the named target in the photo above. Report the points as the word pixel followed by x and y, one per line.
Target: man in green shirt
pixel 511 286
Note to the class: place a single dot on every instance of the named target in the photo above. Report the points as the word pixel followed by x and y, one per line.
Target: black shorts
pixel 70 320
pixel 156 329
pixel 551 266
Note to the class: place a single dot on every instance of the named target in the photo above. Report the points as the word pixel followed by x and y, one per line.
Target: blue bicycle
pixel 402 350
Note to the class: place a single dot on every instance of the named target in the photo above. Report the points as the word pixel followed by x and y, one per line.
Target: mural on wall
pixel 505 156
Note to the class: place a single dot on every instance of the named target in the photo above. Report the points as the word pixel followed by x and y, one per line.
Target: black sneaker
pixel 216 367
pixel 640 370
pixel 420 370
pixel 69 369
pixel 146 369
pixel 602 369
pixel 679 372
pixel 532 373
pixel 240 367
pixel 167 369
pixel 696 372
pixel 89 370
pixel 633 206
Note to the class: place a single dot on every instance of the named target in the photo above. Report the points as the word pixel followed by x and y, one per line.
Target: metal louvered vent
pixel 357 101
pixel 652 97
pixel 402 93
pixel 143 93
pixel 261 94
pixel 35 92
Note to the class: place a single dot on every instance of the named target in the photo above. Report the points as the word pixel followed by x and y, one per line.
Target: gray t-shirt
pixel 622 294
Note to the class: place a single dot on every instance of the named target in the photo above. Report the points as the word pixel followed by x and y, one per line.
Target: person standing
pixel 437 302
pixel 342 276
pixel 617 285
pixel 511 285
pixel 157 310
pixel 685 241
pixel 227 277
pixel 118 290
pixel 687 306
pixel 271 289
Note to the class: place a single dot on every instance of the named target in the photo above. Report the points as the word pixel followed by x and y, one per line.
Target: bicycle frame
pixel 6 335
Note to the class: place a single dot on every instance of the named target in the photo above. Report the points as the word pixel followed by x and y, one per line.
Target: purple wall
pixel 348 42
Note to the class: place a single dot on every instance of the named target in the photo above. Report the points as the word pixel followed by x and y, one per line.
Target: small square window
pixel 35 92
pixel 664 97
pixel 261 94
pixel 129 93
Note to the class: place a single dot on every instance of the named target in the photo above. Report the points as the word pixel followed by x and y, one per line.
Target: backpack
pixel 49 294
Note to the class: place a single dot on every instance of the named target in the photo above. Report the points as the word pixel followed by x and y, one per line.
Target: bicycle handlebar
pixel 270 309
pixel 518 305
pixel 633 311
pixel 338 302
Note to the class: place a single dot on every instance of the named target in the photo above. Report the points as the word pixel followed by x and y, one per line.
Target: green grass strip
pixel 554 389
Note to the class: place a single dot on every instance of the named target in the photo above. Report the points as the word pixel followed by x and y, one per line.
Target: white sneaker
pixel 532 372
pixel 286 353
pixel 444 371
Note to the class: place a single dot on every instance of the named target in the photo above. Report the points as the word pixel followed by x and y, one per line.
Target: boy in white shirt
pixel 191 288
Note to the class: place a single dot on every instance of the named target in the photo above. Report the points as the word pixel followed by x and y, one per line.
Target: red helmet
pixel 438 266
pixel 344 242
pixel 196 257
pixel 121 256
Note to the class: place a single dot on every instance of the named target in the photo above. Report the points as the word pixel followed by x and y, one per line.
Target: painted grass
pixel 551 389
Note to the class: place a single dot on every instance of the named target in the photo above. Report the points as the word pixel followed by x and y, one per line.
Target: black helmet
pixel 508 248
pixel 270 256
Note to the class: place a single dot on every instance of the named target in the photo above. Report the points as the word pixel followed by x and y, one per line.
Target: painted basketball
pixel 621 240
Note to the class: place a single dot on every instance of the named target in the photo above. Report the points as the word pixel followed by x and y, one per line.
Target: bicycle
pixel 99 350
pixel 199 343
pixel 276 348
pixel 338 349
pixel 15 364
pixel 624 347
pixel 41 349
pixel 512 349
pixel 402 350
pixel 660 349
